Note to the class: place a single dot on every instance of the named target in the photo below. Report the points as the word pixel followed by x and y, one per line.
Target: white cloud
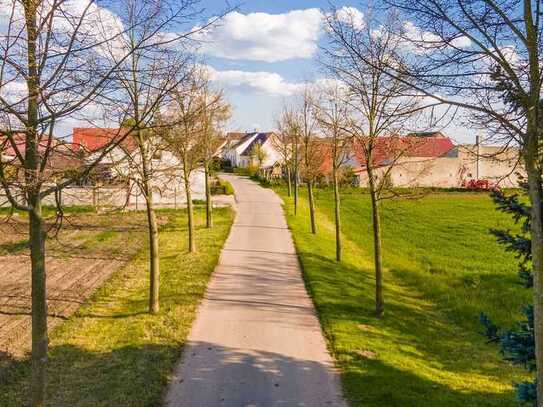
pixel 93 28
pixel 267 82
pixel 263 36
pixel 510 54
pixel 461 42
pixel 414 33
pixel 420 41
pixel 351 16
pixel 13 91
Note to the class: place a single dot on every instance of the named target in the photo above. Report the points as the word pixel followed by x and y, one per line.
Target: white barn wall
pixel 453 172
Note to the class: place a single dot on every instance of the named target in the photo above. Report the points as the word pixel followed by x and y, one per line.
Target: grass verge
pixel 112 352
pixel 442 269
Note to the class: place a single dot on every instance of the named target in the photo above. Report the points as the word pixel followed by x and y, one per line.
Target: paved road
pixel 256 341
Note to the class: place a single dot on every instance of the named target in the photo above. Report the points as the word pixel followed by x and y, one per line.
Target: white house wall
pixel 453 172
pixel 168 186
pixel 272 155
pixel 234 154
pixel 243 161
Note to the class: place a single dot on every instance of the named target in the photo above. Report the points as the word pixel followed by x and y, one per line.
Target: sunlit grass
pixel 442 269
pixel 112 352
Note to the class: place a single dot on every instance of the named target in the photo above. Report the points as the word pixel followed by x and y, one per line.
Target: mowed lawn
pixel 443 269
pixel 112 352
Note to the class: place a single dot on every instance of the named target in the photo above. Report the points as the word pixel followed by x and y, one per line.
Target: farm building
pixel 432 160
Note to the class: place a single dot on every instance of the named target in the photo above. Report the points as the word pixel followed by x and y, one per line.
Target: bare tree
pixel 52 66
pixel 143 85
pixel 55 65
pixel 311 149
pixel 333 116
pixel 381 106
pixel 282 142
pixel 184 118
pixel 289 128
pixel 215 112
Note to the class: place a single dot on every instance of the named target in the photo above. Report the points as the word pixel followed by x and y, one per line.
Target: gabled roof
pixel 92 139
pixel 19 139
pixel 60 154
pixel 387 149
pixel 243 139
pixel 437 134
pixel 234 135
pixel 259 138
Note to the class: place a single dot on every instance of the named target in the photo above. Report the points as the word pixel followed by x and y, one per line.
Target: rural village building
pixel 118 170
pixel 113 182
pixel 432 160
pixel 415 160
pixel 240 150
pixel 424 159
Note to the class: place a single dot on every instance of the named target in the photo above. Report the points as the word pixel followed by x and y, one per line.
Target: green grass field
pixel 443 269
pixel 112 352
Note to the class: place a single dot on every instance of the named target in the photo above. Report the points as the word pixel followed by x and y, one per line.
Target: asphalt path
pixel 256 341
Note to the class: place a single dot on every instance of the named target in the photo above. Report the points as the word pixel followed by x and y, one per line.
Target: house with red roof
pixel 122 165
pixel 92 139
pixel 60 158
pixel 114 180
pixel 431 159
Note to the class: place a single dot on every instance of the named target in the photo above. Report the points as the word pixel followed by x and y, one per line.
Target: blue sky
pixel 262 54
pixel 283 38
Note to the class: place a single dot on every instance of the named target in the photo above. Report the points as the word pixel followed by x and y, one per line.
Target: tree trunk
pixel 536 196
pixel 311 207
pixel 209 205
pixel 154 259
pixel 289 183
pixel 147 190
pixel 39 303
pixel 376 220
pixel 36 227
pixel 190 214
pixel 296 175
pixel 337 215
pixel 532 157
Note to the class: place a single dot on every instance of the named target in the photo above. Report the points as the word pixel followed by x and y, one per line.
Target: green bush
pixel 228 189
pixel 222 188
pixel 242 171
pixel 249 171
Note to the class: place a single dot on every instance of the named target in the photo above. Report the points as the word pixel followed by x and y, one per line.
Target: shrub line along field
pixel 443 268
pixel 112 351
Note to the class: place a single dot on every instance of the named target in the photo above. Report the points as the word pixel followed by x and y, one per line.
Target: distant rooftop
pixel 259 139
pixel 95 138
pixel 437 134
